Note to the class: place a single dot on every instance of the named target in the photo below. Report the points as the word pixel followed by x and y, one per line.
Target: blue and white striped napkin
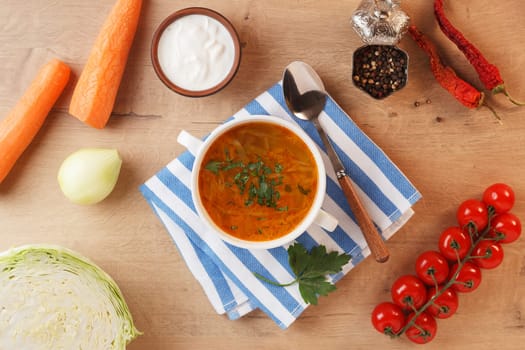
pixel 226 273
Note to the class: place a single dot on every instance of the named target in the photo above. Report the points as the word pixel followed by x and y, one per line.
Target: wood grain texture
pixel 450 154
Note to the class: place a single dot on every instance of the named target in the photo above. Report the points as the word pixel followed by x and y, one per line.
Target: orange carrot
pixel 96 90
pixel 23 122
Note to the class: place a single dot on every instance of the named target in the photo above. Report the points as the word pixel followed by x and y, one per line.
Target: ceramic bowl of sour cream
pixel 196 51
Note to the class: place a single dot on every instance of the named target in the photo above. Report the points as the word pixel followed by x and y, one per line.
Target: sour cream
pixel 196 52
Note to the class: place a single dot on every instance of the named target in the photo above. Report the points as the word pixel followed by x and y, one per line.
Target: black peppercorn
pixel 380 70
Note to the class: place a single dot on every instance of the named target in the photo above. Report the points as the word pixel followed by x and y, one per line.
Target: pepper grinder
pixel 379 67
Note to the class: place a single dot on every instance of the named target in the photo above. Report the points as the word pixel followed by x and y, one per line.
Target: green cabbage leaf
pixel 54 298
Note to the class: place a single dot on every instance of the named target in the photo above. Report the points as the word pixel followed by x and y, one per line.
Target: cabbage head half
pixel 51 298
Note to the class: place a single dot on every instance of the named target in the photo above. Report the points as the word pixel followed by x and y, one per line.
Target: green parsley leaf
pixel 310 269
pixel 311 288
pixel 321 263
pixel 214 166
pixel 233 165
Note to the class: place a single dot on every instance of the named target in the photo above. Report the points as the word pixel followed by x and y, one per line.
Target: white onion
pixel 89 175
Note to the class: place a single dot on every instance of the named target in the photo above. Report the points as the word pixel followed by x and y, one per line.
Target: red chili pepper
pixel 464 92
pixel 488 73
pixel 446 77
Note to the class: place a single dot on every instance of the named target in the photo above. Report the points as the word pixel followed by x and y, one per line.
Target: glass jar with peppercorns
pixel 380 67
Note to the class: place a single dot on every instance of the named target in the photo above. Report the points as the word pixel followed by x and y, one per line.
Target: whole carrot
pixel 96 90
pixel 23 122
pixel 488 73
pixel 464 92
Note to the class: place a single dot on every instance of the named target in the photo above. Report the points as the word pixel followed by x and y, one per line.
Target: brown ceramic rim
pixel 195 11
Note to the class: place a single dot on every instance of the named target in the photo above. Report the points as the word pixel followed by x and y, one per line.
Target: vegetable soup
pixel 258 181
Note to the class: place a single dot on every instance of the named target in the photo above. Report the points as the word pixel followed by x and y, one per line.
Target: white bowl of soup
pixel 258 181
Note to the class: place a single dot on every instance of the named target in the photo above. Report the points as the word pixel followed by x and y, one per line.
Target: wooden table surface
pixel 449 152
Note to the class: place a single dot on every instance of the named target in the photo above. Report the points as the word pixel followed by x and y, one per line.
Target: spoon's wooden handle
pixel 373 238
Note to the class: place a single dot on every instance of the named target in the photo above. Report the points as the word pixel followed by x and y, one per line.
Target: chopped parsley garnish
pixel 213 166
pixel 256 180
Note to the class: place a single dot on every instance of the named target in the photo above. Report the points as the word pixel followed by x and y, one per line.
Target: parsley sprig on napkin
pixel 310 269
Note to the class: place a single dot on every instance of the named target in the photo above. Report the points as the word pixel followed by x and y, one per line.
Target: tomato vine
pixel 467 248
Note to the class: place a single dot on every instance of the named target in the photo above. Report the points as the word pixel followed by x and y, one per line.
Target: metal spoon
pixel 305 96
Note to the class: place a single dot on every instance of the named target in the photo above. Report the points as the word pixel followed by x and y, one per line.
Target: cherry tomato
pixel 506 227
pixel 499 196
pixel 388 318
pixel 489 254
pixel 445 305
pixel 472 212
pixel 432 267
pixel 468 279
pixel 454 243
pixel 424 330
pixel 409 292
